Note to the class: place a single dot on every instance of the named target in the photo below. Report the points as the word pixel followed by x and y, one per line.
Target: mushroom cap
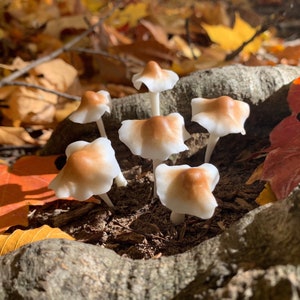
pixel 92 106
pixel 155 138
pixel 89 170
pixel 220 116
pixel 188 190
pixel 155 78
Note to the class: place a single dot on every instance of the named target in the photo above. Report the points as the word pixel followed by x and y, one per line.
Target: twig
pixel 100 52
pixel 35 86
pixel 55 53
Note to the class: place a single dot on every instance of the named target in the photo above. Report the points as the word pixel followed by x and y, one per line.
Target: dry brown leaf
pixel 19 238
pixel 17 136
pixel 34 106
pixel 256 175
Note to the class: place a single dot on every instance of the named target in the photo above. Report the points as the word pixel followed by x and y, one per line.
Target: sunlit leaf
pixel 23 185
pixel 19 238
pixel 231 38
pixel 266 196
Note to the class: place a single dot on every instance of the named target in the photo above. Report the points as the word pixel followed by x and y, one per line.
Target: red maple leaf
pixel 282 165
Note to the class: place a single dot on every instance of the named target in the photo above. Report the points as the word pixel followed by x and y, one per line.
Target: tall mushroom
pixel 156 80
pixel 220 116
pixel 92 107
pixel 155 138
pixel 187 190
pixel 89 170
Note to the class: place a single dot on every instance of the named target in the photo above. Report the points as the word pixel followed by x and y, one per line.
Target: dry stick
pixel 35 86
pixel 8 79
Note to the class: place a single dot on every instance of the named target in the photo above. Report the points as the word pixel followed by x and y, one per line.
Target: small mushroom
pixel 89 170
pixel 156 80
pixel 220 116
pixel 92 107
pixel 155 138
pixel 187 190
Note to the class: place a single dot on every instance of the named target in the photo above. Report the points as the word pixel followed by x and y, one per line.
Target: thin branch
pixel 55 53
pixel 100 52
pixel 35 86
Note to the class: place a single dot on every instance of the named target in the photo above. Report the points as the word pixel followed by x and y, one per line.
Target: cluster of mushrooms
pixel 92 167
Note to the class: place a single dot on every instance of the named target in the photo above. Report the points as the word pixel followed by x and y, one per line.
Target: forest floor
pixel 139 226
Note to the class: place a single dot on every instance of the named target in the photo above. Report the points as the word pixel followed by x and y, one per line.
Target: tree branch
pixel 6 80
pixel 35 86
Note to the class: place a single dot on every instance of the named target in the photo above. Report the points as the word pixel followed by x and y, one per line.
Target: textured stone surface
pixel 259 256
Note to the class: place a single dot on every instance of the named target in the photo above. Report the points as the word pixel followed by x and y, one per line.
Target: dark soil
pixel 139 226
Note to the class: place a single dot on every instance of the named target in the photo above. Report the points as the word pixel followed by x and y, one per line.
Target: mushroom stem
pixel 177 218
pixel 155 163
pixel 107 200
pixel 101 128
pixel 155 103
pixel 120 180
pixel 211 143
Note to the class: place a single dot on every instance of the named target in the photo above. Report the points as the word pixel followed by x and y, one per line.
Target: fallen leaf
pixel 256 175
pixel 130 15
pixel 34 106
pixel 266 196
pixel 19 238
pixel 26 183
pixel 15 136
pixel 282 164
pixel 232 38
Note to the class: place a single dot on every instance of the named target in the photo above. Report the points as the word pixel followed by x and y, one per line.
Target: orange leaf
pixel 19 238
pixel 266 196
pixel 23 185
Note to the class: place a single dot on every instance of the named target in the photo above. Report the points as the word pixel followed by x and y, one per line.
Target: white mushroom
pixel 89 170
pixel 156 138
pixel 92 107
pixel 156 80
pixel 187 190
pixel 220 116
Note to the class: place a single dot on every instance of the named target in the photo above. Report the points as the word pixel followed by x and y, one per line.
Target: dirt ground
pixel 139 226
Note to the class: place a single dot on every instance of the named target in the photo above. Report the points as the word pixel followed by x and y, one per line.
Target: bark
pixel 264 88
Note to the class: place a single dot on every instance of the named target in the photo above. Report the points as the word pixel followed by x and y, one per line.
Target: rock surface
pixel 256 258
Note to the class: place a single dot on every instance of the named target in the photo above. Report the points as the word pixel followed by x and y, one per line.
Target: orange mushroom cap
pixel 155 138
pixel 92 106
pixel 155 78
pixel 188 190
pixel 89 170
pixel 220 116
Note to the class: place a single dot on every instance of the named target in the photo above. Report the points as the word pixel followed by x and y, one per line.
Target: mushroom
pixel 187 190
pixel 156 80
pixel 92 107
pixel 89 170
pixel 155 138
pixel 220 116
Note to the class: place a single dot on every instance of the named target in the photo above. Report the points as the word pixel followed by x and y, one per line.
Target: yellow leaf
pixel 13 241
pixel 266 196
pixel 130 15
pixel 231 38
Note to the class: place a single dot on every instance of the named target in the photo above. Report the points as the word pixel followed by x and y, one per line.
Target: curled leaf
pixel 19 238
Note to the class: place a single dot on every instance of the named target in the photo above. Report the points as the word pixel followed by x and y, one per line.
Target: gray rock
pixel 259 257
